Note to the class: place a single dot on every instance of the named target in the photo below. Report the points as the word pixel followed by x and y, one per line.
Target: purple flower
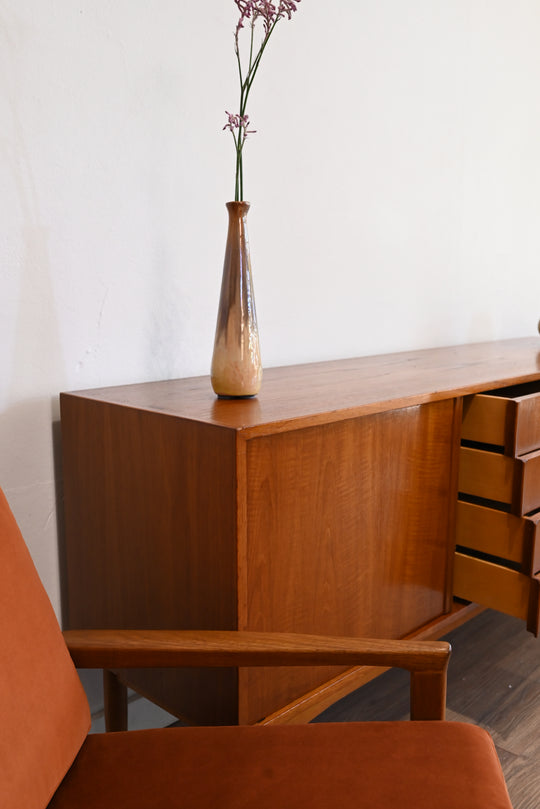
pixel 233 122
pixel 245 8
pixel 238 122
pixel 244 123
pixel 266 10
pixel 287 7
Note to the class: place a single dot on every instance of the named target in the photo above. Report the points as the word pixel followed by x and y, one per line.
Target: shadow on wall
pixel 30 475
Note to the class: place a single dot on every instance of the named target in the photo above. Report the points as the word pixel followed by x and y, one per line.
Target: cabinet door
pixel 349 532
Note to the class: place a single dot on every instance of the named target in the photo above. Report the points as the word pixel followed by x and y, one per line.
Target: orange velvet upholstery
pixel 421 765
pixel 44 714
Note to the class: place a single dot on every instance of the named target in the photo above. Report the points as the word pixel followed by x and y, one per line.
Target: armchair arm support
pixel 118 649
pixel 129 648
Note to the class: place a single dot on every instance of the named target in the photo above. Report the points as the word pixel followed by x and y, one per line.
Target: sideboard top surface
pixel 315 393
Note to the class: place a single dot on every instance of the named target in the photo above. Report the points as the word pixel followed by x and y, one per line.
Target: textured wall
pixel 394 182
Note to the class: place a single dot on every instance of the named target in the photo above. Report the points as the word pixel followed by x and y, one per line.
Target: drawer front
pixel 514 482
pixel 509 418
pixel 485 419
pixel 499 588
pixel 498 534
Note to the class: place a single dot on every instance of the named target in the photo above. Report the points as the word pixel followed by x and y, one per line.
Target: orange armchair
pixel 47 758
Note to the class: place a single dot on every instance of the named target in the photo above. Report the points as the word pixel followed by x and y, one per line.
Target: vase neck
pixel 238 208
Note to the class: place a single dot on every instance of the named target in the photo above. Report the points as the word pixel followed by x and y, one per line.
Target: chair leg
pixel 428 694
pixel 115 700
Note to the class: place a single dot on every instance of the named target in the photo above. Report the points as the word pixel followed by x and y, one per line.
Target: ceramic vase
pixel 236 362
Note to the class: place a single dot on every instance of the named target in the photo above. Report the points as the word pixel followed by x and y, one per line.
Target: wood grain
pixel 492 476
pixel 150 525
pixel 488 475
pixel 94 648
pixel 485 419
pixel 492 585
pixel 341 539
pixel 500 534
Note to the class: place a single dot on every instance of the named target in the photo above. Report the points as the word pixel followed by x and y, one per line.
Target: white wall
pixel 394 181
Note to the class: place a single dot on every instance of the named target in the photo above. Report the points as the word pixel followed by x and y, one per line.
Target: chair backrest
pixel 44 713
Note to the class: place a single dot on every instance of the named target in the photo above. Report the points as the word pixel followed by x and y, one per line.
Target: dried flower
pixel 237 124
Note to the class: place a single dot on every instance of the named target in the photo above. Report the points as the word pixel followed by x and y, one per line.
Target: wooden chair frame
pixel 110 650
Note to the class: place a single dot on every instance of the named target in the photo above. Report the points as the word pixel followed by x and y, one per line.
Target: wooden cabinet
pixel 327 505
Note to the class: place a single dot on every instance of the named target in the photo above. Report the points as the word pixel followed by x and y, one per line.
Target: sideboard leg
pixel 115 700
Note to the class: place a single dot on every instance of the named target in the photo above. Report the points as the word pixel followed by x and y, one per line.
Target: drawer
pixel 513 482
pixel 499 588
pixel 499 534
pixel 508 418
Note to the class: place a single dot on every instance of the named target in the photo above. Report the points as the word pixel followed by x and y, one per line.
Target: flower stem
pixel 245 87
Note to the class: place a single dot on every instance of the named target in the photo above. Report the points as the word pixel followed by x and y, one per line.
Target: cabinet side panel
pixel 150 534
pixel 349 531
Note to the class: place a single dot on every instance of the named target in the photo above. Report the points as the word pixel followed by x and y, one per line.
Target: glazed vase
pixel 236 370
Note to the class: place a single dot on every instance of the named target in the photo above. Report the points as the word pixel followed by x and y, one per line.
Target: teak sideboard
pixel 328 504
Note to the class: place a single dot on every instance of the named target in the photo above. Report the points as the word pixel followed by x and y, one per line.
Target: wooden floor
pixel 493 681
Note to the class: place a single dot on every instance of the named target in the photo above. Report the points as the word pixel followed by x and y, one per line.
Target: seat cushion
pixel 445 765
pixel 44 714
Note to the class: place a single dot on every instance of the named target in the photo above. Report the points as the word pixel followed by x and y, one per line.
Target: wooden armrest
pixel 130 648
pixel 116 649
